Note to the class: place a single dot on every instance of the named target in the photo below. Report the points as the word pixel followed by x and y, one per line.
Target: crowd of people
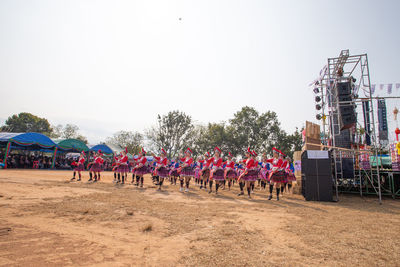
pixel 209 172
pixel 38 161
pixel 21 161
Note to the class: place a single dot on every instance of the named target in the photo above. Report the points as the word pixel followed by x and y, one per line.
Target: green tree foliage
pixel 196 141
pixel 249 128
pixel 288 143
pixel 210 136
pixel 82 138
pixel 57 131
pixel 173 132
pixel 69 131
pixel 26 122
pixel 129 139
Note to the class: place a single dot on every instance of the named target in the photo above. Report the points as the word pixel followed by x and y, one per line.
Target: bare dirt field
pixel 45 220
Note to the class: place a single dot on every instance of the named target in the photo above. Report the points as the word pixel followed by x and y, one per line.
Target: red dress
pixel 218 174
pixel 188 169
pixel 161 168
pixel 251 172
pixel 198 169
pixel 277 174
pixel 141 167
pixel 123 166
pixel 289 173
pixel 230 169
pixel 264 172
pixel 80 165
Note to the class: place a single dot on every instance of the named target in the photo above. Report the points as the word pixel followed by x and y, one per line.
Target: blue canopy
pixel 27 139
pixel 104 149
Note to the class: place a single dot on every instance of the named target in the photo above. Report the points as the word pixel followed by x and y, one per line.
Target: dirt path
pixel 45 220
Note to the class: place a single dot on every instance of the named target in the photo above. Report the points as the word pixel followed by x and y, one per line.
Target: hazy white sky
pixel 114 65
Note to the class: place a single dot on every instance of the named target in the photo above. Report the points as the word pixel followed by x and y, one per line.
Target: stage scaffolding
pixel 354 69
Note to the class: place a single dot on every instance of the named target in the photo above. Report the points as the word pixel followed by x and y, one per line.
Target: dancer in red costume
pixel 186 170
pixel 205 171
pixel 217 172
pixel 161 169
pixel 79 166
pixel 230 173
pixel 141 168
pixel 97 166
pixel 197 170
pixel 290 177
pixel 115 169
pixel 123 167
pixel 277 174
pixel 249 175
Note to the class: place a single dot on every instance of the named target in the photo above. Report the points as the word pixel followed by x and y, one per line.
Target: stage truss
pixel 352 68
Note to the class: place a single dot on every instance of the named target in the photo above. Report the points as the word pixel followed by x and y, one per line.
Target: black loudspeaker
pixel 344 138
pixel 348 168
pixel 344 89
pixel 347 112
pixel 316 175
pixel 347 120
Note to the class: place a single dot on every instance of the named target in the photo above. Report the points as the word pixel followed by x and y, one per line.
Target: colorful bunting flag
pixel 373 89
pixel 389 88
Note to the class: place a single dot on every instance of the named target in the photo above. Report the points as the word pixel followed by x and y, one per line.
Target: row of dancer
pixel 206 171
pixel 277 172
pixel 95 167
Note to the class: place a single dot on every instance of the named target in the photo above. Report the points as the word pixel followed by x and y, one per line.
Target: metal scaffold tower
pixel 348 143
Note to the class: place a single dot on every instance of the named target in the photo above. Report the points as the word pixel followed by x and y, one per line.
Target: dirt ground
pixel 45 220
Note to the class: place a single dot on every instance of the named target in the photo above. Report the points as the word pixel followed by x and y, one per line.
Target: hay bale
pixel 297 187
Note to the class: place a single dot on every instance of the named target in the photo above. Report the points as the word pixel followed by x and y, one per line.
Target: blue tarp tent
pixel 27 139
pixel 103 147
pixel 31 141
pixel 107 149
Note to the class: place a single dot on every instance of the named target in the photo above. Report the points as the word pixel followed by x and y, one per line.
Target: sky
pixel 114 65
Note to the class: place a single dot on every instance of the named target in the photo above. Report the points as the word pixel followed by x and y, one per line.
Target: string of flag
pixel 388 88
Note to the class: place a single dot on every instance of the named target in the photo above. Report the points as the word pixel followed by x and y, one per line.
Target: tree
pixel 173 132
pixel 27 122
pixel 291 143
pixel 207 138
pixel 131 140
pixel 82 138
pixel 196 140
pixel 57 131
pixel 250 129
pixel 247 128
pixel 69 131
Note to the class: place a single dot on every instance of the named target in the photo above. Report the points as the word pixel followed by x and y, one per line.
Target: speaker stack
pixel 344 138
pixel 316 175
pixel 347 112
